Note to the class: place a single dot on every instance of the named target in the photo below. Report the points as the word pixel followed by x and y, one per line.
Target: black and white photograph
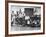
pixel 25 18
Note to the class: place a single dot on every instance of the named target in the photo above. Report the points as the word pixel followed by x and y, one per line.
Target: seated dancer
pixel 21 16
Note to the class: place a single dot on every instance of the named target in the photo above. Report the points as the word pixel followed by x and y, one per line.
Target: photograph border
pixel 6 18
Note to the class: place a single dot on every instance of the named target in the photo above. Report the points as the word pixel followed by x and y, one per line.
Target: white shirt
pixel 27 17
pixel 21 15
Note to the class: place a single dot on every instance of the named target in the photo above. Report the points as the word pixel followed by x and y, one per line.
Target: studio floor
pixel 23 28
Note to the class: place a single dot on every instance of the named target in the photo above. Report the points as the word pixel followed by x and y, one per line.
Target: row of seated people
pixel 29 21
